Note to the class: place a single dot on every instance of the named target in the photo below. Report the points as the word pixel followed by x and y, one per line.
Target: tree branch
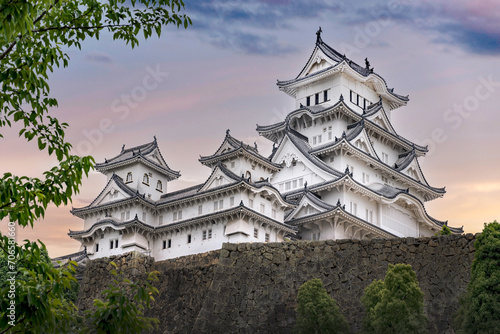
pixel 11 46
pixel 83 27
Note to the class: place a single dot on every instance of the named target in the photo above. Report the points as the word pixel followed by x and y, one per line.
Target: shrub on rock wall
pixel 395 304
pixel 479 311
pixel 317 312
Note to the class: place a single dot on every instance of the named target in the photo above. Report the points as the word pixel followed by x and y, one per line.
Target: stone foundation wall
pixel 252 288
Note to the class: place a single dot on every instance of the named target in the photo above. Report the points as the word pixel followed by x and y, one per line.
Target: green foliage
pixel 317 311
pixel 122 310
pixel 36 289
pixel 33 35
pixel 396 304
pixel 444 231
pixel 41 296
pixel 479 308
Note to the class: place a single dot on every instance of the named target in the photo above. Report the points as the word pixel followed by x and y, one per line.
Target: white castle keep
pixel 338 170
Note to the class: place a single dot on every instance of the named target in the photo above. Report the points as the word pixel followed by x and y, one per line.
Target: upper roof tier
pixel 149 154
pixel 275 132
pixel 336 62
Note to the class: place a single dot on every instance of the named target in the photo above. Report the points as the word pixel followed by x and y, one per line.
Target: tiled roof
pixel 340 209
pixel 136 153
pixel 301 142
pixel 236 146
pixel 136 222
pixel 320 109
pixel 337 58
pixel 383 190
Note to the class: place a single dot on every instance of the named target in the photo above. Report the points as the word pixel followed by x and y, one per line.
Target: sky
pixel 189 86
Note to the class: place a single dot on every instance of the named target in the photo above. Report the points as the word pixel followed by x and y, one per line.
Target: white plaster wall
pixel 138 171
pixel 399 221
pixel 331 83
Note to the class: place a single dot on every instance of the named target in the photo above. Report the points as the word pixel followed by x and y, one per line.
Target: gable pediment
pixel 380 118
pixel 318 61
pixel 413 170
pixel 216 179
pixel 225 147
pixel 111 193
pixel 306 207
pixel 362 142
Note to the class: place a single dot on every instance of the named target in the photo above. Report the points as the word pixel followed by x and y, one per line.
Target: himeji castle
pixel 338 169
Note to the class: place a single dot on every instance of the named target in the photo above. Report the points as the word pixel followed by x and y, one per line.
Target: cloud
pixel 99 57
pixel 464 24
pixel 252 26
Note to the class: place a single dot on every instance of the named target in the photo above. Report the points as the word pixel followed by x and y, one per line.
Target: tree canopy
pixel 317 312
pixel 34 38
pixel 479 309
pixel 395 304
pixel 34 35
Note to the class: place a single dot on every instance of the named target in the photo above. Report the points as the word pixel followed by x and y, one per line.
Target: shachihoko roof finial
pixel 318 34
pixel 367 64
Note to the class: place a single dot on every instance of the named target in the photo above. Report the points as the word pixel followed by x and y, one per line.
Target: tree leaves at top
pixel 317 312
pixel 479 309
pixel 396 304
pixel 33 35
pixel 444 231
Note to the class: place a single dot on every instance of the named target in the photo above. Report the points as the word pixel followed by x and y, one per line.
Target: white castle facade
pixel 338 170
